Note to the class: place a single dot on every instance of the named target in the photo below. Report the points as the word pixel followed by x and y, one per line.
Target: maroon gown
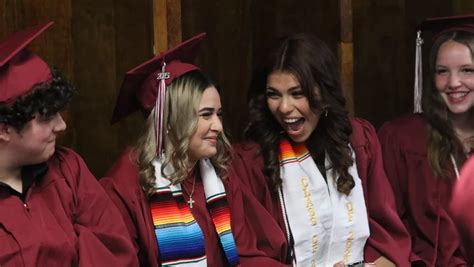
pixel 422 200
pixel 461 206
pixel 387 238
pixel 122 185
pixel 65 219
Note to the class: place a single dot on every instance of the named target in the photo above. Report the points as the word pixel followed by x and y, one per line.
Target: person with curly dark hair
pixel 424 152
pixel 316 174
pixel 53 212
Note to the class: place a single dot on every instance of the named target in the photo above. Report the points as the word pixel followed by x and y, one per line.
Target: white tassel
pixel 418 74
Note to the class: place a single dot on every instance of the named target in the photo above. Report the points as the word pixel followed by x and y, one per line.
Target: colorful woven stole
pixel 219 209
pixel 180 239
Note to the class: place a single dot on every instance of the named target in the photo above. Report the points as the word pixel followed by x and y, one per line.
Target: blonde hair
pixel 183 97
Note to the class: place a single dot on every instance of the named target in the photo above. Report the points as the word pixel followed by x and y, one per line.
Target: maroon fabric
pixel 461 206
pixel 66 220
pixel 422 200
pixel 448 24
pixel 20 69
pixel 388 236
pixel 122 185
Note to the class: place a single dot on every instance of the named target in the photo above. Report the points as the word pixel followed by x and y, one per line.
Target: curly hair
pixel 45 99
pixel 183 97
pixel 442 140
pixel 314 65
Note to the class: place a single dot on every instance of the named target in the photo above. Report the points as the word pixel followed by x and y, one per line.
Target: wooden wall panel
pixel 133 45
pixel 463 7
pixel 379 57
pixel 95 59
pixel 225 53
pixel 110 37
pixel 17 15
pixel 167 24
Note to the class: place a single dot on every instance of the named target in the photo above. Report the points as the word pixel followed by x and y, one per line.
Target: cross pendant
pixel 190 202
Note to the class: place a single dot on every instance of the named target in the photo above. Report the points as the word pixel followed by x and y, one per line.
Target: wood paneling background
pixel 95 42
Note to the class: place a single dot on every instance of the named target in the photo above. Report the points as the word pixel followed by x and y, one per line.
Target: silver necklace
pixel 191 200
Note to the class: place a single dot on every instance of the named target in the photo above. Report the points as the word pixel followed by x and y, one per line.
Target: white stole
pixel 327 226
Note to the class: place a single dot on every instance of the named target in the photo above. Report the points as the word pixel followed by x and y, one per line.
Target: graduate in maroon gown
pixel 317 176
pixel 424 152
pixel 175 189
pixel 461 206
pixel 53 212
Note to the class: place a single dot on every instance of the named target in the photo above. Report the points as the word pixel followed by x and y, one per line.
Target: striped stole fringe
pixel 180 240
pixel 219 209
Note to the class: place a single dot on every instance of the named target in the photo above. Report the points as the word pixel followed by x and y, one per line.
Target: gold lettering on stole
pixel 314 244
pixel 350 237
pixel 309 202
pixel 347 253
pixel 350 211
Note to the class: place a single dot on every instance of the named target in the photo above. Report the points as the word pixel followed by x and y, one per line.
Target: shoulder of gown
pixel 121 182
pixel 97 222
pixel 256 216
pixel 388 236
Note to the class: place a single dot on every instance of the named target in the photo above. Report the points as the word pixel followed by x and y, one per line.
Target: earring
pixel 325 113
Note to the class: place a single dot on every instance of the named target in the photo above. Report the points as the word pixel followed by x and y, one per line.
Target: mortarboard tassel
pixel 418 74
pixel 160 109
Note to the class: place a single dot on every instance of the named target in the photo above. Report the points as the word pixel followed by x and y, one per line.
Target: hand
pixel 341 264
pixel 383 262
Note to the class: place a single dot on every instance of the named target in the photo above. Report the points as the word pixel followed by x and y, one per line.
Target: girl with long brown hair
pixel 316 173
pixel 424 152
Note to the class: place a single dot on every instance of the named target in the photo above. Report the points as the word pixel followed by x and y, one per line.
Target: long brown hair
pixel 183 97
pixel 314 65
pixel 442 140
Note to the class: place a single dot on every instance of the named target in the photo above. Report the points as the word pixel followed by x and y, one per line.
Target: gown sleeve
pixel 101 233
pixel 388 235
pixel 122 185
pixel 259 238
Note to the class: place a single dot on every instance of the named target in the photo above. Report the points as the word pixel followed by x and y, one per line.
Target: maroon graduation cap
pixel 437 26
pixel 442 25
pixel 139 88
pixel 21 70
pixel 144 86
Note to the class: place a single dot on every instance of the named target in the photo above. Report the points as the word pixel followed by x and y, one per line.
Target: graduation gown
pixel 122 185
pixel 66 219
pixel 422 200
pixel 461 207
pixel 387 238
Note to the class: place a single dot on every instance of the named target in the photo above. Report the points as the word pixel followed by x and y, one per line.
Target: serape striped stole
pixel 290 154
pixel 180 239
